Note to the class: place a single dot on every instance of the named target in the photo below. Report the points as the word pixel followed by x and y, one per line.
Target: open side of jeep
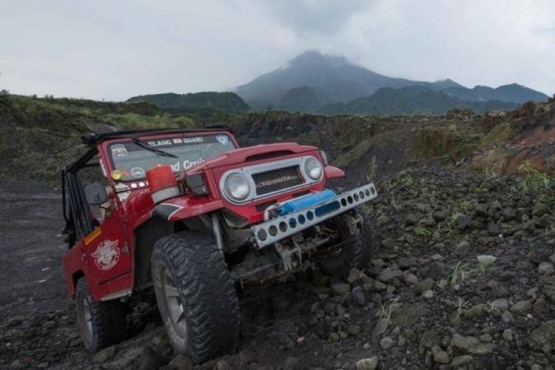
pixel 193 216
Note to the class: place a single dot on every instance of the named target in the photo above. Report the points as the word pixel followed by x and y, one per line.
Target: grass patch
pixel 534 181
pixel 498 134
pixel 462 305
pixel 423 233
pixel 461 272
pixel 407 180
pixel 464 271
pixel 493 163
pixel 346 159
pixel 387 310
pixel 372 174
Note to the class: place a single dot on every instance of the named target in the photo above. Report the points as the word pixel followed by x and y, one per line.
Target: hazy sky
pixel 106 49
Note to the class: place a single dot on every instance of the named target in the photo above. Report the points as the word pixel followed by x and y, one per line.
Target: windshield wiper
pixel 160 152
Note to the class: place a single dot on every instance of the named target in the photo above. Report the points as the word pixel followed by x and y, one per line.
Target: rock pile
pixel 463 277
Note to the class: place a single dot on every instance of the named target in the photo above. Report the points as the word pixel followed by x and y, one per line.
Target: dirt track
pixel 33 292
pixel 30 221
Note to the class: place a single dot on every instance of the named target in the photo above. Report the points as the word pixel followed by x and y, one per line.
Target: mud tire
pixel 357 250
pixel 196 296
pixel 101 324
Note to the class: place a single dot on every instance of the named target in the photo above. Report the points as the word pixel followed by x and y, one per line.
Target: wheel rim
pixel 174 303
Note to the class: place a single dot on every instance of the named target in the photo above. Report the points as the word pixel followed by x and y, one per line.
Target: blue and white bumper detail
pixel 308 211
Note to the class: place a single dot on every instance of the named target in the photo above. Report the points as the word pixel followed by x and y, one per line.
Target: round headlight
pixel 237 186
pixel 313 168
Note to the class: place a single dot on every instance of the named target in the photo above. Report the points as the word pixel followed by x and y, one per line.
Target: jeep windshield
pixel 135 157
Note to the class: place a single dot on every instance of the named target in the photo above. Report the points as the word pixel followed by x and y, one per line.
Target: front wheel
pixel 101 324
pixel 355 232
pixel 196 295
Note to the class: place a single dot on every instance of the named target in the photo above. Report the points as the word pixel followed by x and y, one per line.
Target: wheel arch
pixel 145 236
pixel 153 229
pixel 74 279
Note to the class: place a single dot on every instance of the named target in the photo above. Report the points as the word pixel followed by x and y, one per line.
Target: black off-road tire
pixel 106 322
pixel 189 271
pixel 358 246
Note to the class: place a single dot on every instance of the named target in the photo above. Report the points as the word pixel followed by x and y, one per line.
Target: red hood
pixel 242 154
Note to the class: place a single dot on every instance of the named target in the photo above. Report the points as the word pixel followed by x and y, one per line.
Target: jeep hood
pixel 252 154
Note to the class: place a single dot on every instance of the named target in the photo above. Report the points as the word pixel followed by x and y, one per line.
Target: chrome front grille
pixel 272 178
pixel 276 180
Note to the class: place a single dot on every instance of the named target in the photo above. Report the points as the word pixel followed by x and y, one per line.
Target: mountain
pixel 446 84
pixel 338 80
pixel 334 81
pixel 202 105
pixel 302 98
pixel 411 100
pixel 513 93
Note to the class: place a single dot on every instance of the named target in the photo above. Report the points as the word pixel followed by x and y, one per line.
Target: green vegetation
pixel 39 136
pixel 498 134
pixel 462 305
pixel 443 141
pixel 407 180
pixel 412 100
pixel 203 106
pixel 301 99
pixel 373 172
pixel 310 138
pixel 421 234
pixel 492 163
pixel 386 311
pixel 463 271
pixel 353 155
pixel 534 181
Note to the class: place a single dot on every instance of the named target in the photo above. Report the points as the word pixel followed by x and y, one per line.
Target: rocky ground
pixel 463 277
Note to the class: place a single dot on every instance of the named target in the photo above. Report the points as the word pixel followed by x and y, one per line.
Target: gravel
pixel 427 300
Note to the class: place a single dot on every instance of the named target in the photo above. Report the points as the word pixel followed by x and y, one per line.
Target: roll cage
pixel 79 221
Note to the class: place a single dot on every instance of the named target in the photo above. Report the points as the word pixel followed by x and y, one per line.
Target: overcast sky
pixel 106 49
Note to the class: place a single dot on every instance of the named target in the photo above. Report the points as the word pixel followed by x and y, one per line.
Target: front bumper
pixel 274 230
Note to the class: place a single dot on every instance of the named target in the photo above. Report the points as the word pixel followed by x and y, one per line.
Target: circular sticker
pixel 137 172
pixel 106 255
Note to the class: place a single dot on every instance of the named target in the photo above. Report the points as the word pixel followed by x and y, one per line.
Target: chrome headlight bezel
pixel 313 169
pixel 324 156
pixel 238 191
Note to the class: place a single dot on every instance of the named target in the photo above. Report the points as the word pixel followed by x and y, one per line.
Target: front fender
pixel 74 265
pixel 182 208
pixel 333 172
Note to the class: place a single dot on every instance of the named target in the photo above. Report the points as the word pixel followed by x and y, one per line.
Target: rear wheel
pixel 355 231
pixel 101 324
pixel 196 295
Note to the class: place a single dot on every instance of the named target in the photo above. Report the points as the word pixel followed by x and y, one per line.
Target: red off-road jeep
pixel 193 216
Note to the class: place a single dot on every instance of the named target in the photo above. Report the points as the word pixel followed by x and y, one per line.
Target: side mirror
pixel 96 194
